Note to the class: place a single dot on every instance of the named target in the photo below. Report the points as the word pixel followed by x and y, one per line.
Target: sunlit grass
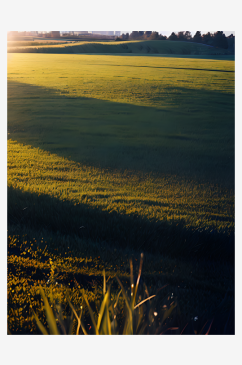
pixel 201 206
pixel 35 43
pixel 149 81
pixel 107 155
pixel 169 115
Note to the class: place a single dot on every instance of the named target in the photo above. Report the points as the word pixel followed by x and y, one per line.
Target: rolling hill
pixel 137 47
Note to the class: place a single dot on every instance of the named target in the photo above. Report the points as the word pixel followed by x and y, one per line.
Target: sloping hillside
pixel 137 47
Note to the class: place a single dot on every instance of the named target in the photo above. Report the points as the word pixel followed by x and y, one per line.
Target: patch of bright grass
pixel 108 156
pixel 156 199
pixel 149 81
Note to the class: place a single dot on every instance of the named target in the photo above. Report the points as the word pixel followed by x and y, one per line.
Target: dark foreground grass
pixel 172 237
pixel 143 314
pixel 148 167
pixel 204 293
pixel 48 246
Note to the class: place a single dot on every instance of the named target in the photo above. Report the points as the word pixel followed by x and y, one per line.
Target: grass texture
pixel 141 316
pixel 109 156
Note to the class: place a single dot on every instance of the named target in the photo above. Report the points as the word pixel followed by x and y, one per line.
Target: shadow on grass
pixel 192 138
pixel 177 68
pixel 132 232
pixel 134 47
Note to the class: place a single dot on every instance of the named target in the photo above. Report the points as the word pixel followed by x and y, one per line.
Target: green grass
pixel 137 47
pixel 130 113
pixel 139 151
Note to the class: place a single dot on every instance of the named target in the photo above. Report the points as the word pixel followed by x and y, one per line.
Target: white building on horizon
pixel 105 32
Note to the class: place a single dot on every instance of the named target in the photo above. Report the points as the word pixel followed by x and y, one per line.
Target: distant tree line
pixel 217 39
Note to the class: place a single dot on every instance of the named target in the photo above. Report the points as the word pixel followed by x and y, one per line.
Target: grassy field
pixel 109 156
pixel 32 43
pixel 136 47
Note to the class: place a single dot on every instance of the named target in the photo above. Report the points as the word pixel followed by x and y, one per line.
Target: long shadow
pixel 174 68
pixel 194 139
pixel 117 230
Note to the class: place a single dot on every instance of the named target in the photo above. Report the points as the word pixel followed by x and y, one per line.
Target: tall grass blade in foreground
pixel 104 325
pixel 136 320
pixel 50 317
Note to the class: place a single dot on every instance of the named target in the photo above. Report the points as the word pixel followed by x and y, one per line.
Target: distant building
pixel 81 32
pixel 102 32
pixel 55 34
pixel 30 33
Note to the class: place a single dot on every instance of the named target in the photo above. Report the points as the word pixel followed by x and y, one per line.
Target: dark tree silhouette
pixel 173 37
pixel 207 38
pixel 181 36
pixel 220 40
pixel 188 35
pixel 134 35
pixel 125 37
pixel 197 37
pixel 154 35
